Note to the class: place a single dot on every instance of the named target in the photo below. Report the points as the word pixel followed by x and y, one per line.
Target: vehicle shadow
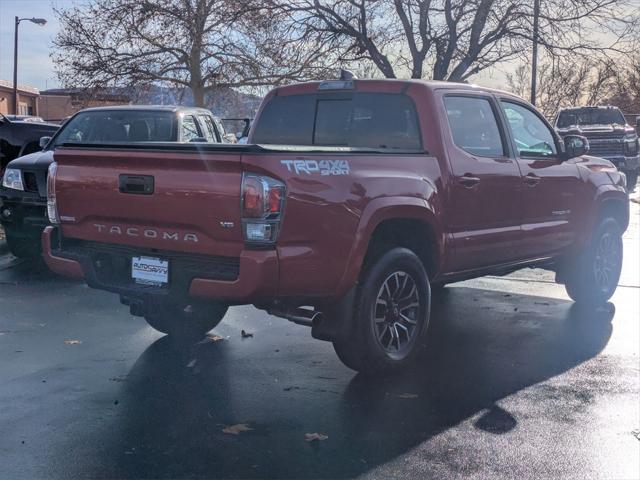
pixel 483 347
pixel 24 270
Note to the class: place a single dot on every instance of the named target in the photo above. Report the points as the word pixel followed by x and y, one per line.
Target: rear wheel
pixel 22 247
pixel 594 276
pixel 391 314
pixel 187 321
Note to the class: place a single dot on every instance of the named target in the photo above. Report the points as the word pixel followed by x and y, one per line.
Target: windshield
pixel 118 126
pixel 590 116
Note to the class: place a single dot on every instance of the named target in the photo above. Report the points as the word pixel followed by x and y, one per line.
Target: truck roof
pixel 150 108
pixel 390 85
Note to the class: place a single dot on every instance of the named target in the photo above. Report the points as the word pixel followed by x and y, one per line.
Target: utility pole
pixel 534 56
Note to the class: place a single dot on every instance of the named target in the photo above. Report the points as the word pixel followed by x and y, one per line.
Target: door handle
pixel 531 179
pixel 136 184
pixel 469 181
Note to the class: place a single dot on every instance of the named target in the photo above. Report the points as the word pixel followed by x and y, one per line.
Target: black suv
pixel 609 135
pixel 19 135
pixel 23 194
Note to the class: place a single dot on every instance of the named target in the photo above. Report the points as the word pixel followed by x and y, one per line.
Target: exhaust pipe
pixel 301 316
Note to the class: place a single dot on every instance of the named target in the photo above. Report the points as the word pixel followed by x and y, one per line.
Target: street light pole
pixel 15 68
pixel 534 56
pixel 37 21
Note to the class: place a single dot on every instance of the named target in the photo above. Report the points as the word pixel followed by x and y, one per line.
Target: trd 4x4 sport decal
pixel 323 167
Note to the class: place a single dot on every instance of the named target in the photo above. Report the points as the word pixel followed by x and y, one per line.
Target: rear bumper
pixel 252 278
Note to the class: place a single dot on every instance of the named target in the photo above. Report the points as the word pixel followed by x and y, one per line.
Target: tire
pixel 594 276
pixel 632 179
pixel 187 321
pixel 385 336
pixel 22 247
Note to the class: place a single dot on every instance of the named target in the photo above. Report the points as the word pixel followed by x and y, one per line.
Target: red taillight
pixel 262 204
pixel 252 198
pixel 275 199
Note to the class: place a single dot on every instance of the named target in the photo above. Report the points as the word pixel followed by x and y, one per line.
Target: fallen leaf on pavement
pixel 210 338
pixel 72 342
pixel 237 429
pixel 407 395
pixel 245 334
pixel 312 437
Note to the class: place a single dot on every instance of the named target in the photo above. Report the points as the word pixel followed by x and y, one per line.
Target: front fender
pixel 610 200
pixel 376 212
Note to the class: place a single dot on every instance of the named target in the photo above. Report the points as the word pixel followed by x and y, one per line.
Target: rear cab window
pixel 377 121
pixel 116 126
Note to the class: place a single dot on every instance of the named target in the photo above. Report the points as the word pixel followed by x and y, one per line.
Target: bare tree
pixel 455 39
pixel 566 82
pixel 625 92
pixel 201 45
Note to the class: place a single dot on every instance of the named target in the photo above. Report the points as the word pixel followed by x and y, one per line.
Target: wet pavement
pixel 517 382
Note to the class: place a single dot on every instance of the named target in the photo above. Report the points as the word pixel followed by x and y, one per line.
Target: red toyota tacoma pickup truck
pixel 354 201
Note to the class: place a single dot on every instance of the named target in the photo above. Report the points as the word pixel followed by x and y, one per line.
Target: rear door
pixel 550 185
pixel 485 204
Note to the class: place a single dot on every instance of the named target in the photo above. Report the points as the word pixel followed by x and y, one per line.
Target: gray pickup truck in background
pixel 609 135
pixel 23 190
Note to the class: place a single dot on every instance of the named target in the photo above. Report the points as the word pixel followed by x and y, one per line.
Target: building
pixel 56 104
pixel 27 99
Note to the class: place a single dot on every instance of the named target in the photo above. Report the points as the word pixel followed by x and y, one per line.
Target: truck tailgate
pixel 160 199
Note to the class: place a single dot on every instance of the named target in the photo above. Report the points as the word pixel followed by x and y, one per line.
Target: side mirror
pixel 575 146
pixel 638 125
pixel 230 138
pixel 43 142
pixel 198 140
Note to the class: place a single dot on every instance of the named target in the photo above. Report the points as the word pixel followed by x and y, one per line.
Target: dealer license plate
pixel 150 270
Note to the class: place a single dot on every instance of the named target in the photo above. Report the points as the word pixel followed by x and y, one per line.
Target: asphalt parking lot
pixel 517 383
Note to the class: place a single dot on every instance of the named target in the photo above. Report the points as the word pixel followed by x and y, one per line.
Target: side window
pixel 189 128
pixel 474 126
pixel 209 130
pixel 220 127
pixel 532 136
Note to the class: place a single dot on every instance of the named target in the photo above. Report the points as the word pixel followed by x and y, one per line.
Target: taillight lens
pixel 274 201
pixel 252 198
pixel 52 207
pixel 262 207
